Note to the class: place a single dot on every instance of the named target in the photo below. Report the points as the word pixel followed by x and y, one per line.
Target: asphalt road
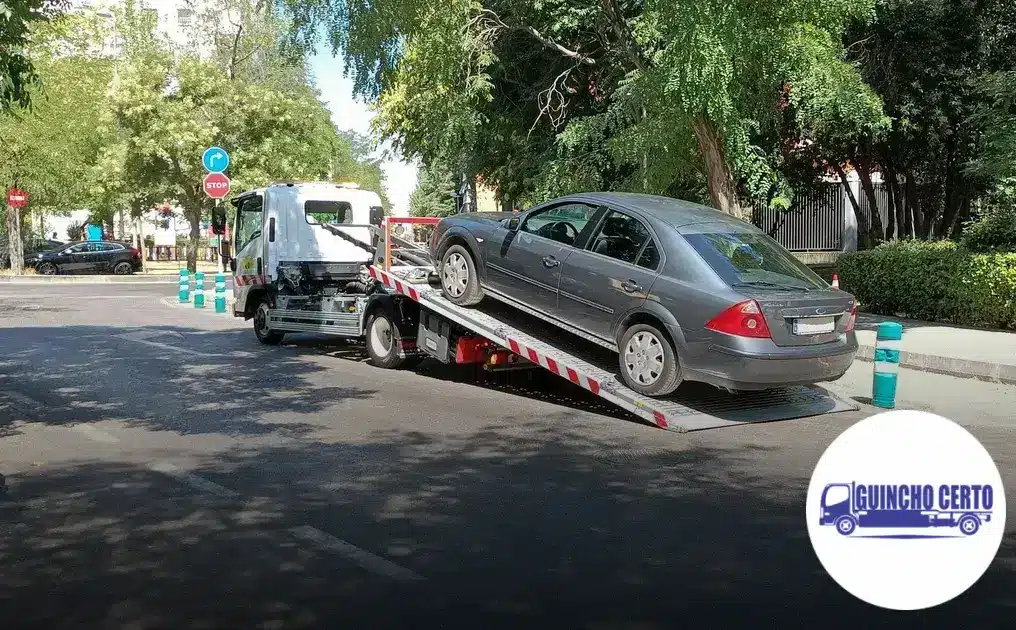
pixel 167 471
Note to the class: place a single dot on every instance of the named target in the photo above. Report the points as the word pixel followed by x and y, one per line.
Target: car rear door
pixel 107 256
pixel 611 276
pixel 525 264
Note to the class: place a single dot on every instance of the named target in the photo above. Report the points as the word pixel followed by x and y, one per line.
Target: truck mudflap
pixel 597 375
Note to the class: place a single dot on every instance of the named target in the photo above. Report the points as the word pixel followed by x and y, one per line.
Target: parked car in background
pixel 680 291
pixel 30 248
pixel 88 257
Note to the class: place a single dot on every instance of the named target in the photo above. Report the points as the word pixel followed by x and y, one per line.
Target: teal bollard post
pixel 220 293
pixel 199 290
pixel 184 286
pixel 887 364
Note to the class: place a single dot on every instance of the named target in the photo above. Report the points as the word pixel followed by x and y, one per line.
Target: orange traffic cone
pixel 836 281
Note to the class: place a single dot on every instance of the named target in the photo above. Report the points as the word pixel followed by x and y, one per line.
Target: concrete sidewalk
pixel 988 355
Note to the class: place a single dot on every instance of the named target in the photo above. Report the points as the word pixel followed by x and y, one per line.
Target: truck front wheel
pixel 846 525
pixel 384 343
pixel 261 327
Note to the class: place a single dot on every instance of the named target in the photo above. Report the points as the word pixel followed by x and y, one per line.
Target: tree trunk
pixel 864 174
pixel 194 218
pixel 896 197
pixel 890 212
pixel 914 204
pixel 15 250
pixel 722 192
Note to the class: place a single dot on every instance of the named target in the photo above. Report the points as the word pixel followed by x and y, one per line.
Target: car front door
pixel 524 264
pixel 610 276
pixel 73 259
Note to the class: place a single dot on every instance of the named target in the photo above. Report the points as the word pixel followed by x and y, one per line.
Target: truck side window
pixel 322 212
pixel 248 222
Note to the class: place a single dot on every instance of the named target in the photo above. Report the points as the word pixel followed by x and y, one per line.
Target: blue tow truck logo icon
pixel 849 506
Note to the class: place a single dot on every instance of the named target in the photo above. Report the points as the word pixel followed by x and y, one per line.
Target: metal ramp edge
pixel 717 409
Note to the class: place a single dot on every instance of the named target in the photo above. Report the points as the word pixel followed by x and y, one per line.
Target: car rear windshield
pixel 744 258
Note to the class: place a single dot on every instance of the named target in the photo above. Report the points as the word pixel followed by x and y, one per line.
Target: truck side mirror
pixel 513 224
pixel 218 221
pixel 232 264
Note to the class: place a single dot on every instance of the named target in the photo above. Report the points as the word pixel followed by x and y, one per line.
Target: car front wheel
pixel 648 361
pixel 459 281
pixel 46 269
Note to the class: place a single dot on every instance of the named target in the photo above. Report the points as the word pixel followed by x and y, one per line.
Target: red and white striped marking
pixel 582 380
pixel 243 281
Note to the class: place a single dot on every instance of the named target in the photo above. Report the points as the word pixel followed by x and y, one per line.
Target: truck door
pixel 248 245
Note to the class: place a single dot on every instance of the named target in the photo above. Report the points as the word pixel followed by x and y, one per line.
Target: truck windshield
pixel 750 258
pixel 835 495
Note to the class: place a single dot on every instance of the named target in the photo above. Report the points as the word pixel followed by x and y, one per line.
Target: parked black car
pixel 30 248
pixel 88 257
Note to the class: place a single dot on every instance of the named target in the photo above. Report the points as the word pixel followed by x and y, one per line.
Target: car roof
pixel 675 212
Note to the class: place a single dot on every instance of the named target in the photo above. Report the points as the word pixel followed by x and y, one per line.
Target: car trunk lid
pixel 798 318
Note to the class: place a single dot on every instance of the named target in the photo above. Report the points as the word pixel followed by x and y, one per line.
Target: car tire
pixel 648 361
pixel 265 334
pixel 46 269
pixel 460 283
pixel 384 342
pixel 123 269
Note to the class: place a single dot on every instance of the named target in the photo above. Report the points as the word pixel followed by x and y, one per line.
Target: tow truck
pixel 321 257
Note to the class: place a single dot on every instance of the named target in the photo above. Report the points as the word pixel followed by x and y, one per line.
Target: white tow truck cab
pixel 302 252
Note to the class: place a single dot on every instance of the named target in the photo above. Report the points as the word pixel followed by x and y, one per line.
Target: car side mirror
pixel 513 224
pixel 232 264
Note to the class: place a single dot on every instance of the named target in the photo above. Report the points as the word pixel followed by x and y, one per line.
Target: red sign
pixel 17 198
pixel 216 185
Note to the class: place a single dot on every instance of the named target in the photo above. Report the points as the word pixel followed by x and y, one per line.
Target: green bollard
pixel 887 364
pixel 220 293
pixel 199 290
pixel 184 286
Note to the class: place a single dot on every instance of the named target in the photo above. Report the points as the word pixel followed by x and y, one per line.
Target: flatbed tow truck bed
pixel 693 407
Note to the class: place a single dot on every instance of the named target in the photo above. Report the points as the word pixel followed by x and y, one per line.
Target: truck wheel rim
pixel 644 358
pixel 846 526
pixel 381 336
pixel 455 275
pixel 261 319
pixel 968 526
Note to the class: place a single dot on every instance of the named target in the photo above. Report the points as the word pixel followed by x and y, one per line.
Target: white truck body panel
pixel 300 237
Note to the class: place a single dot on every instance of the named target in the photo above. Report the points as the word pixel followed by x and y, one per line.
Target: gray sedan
pixel 680 291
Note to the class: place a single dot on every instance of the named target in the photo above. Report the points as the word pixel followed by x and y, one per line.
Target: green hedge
pixel 933 281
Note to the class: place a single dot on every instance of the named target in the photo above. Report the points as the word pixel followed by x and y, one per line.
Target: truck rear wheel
pixel 969 525
pixel 384 343
pixel 261 328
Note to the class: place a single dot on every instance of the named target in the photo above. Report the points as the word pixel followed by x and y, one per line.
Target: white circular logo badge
pixel 906 510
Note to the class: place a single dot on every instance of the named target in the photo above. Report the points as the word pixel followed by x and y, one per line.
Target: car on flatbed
pixel 680 291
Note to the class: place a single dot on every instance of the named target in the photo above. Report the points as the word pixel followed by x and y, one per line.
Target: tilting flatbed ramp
pixel 691 409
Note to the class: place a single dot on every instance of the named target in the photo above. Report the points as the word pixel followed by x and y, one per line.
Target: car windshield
pixel 751 259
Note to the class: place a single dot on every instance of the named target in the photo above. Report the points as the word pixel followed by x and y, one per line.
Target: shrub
pixel 993 229
pixel 933 281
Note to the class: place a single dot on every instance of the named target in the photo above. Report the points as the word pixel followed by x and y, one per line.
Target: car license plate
pixel 814 325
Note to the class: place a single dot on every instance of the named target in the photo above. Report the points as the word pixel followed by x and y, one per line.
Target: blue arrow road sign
pixel 215 160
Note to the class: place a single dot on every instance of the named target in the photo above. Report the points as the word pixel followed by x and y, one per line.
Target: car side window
pixel 561 223
pixel 623 238
pixel 79 248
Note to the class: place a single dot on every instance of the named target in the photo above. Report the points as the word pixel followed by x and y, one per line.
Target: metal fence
pixel 210 254
pixel 814 224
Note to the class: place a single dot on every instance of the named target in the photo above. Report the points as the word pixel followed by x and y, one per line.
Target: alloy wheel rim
pixel 455 275
pixel 644 358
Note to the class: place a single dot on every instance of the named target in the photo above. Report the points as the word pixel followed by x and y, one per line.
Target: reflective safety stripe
pixel 885 367
pixel 889 344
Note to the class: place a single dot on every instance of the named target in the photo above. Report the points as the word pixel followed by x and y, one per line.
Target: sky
pixel 350 114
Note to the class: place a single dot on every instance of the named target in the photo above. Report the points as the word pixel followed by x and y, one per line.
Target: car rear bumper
pixel 738 368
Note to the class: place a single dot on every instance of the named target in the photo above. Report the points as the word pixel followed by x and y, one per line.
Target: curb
pixel 949 366
pixel 131 279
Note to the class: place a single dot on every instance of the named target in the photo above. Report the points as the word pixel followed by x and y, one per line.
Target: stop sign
pixel 16 198
pixel 216 185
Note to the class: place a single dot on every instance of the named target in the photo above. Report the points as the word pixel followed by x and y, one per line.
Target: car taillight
pixel 743 319
pixel 852 319
pixel 135 252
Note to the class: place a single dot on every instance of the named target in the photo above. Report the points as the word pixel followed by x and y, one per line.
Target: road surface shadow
pixel 78 374
pixel 509 530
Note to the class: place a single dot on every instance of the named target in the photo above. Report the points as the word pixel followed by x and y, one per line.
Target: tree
pixel 434 193
pixel 666 92
pixel 17 73
pixel 48 149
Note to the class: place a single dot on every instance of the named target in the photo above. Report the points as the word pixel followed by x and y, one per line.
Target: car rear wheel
pixel 264 333
pixel 123 269
pixel 459 281
pixel 648 361
pixel 46 269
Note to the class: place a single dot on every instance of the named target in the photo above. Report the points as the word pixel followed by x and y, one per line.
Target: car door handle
pixel 550 261
pixel 630 286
